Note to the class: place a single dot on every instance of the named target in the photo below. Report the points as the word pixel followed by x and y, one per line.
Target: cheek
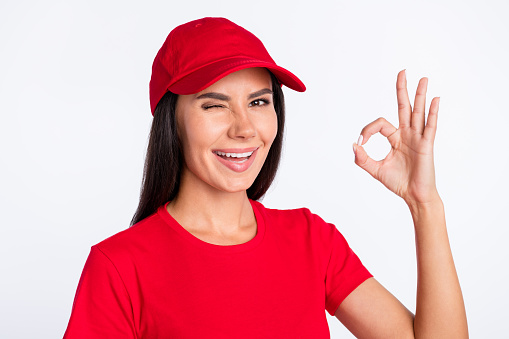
pixel 197 135
pixel 269 129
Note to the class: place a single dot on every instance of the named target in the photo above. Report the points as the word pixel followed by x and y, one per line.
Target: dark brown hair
pixel 163 163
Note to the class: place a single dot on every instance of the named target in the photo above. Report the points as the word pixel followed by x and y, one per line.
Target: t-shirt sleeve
pixel 344 273
pixel 102 307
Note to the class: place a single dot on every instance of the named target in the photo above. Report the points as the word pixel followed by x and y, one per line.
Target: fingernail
pixel 359 141
pixel 353 146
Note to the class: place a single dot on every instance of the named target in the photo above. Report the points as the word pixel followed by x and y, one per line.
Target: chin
pixel 235 186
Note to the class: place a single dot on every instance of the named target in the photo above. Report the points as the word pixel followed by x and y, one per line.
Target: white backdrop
pixel 75 119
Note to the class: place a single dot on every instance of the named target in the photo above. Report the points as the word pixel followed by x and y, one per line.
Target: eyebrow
pixel 224 97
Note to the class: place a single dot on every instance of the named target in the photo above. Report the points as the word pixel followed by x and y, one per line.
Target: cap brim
pixel 205 76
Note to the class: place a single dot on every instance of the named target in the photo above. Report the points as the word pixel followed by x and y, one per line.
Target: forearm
pixel 440 311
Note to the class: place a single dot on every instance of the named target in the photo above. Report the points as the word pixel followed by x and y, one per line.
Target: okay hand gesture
pixel 408 170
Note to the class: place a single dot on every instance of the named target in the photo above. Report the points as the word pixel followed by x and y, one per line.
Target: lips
pixel 235 150
pixel 236 159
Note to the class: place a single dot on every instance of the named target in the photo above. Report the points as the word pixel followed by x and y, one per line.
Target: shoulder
pixel 301 217
pixel 136 238
pixel 294 213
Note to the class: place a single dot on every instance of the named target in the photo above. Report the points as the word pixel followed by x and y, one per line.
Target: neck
pixel 201 207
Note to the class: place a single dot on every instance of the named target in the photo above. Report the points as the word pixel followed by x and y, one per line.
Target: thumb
pixel 364 161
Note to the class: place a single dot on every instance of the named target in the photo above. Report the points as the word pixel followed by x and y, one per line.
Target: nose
pixel 242 126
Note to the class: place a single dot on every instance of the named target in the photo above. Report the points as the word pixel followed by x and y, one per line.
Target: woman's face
pixel 226 131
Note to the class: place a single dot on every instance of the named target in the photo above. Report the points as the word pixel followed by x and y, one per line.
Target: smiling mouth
pixel 238 158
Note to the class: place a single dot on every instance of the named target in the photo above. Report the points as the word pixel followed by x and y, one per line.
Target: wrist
pixel 424 208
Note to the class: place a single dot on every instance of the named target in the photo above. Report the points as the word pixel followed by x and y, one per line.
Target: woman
pixel 205 259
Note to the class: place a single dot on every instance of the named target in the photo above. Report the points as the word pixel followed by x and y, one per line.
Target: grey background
pixel 74 122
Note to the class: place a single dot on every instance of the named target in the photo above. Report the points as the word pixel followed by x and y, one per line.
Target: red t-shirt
pixel 157 280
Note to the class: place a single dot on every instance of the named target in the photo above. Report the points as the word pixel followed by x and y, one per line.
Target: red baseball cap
pixel 198 53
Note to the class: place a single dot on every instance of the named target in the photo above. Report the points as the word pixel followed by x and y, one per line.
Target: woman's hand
pixel 408 170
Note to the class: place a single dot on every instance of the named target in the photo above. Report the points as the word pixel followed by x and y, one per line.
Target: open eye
pixel 259 102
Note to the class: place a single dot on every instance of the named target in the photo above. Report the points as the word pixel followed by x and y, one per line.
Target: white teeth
pixel 234 155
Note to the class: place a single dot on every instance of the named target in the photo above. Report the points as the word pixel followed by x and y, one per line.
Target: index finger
pixel 404 107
